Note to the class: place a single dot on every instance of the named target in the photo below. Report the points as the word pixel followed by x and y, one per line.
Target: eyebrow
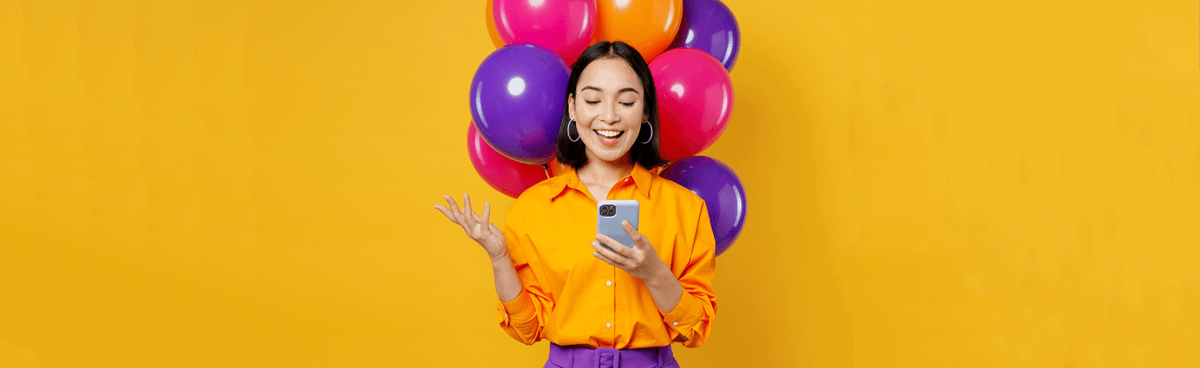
pixel 623 90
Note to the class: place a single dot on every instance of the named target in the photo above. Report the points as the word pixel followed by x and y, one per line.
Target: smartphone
pixel 610 213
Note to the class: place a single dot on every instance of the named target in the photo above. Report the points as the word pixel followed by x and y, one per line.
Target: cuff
pixel 684 316
pixel 519 309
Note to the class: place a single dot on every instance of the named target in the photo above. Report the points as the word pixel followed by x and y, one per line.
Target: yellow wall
pixel 931 183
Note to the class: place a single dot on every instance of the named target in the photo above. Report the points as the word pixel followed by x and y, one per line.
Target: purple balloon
pixel 709 25
pixel 721 190
pixel 517 100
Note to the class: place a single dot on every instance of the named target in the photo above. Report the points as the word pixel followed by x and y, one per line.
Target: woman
pixel 600 307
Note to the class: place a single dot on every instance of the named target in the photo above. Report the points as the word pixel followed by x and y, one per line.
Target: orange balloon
pixel 647 25
pixel 491 25
pixel 556 167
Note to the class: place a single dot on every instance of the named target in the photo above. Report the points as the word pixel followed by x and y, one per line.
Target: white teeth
pixel 609 133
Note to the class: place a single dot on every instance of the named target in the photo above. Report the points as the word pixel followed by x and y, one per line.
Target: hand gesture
pixel 641 261
pixel 478 228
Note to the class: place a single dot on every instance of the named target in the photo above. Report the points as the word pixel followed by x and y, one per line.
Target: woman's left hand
pixel 641 261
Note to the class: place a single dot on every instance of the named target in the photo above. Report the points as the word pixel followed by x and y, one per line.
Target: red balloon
pixel 502 173
pixel 695 101
pixel 564 26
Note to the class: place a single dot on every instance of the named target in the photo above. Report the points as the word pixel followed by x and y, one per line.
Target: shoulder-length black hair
pixel 647 155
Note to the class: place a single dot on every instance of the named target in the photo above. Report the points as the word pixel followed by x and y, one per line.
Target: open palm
pixel 478 228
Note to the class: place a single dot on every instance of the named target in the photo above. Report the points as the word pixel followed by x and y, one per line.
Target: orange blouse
pixel 570 297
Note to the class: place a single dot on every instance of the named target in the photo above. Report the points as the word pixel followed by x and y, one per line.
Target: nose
pixel 609 113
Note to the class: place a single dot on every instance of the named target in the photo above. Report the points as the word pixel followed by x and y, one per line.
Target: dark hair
pixel 647 155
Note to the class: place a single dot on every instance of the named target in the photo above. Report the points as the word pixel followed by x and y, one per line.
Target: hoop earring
pixel 651 137
pixel 570 127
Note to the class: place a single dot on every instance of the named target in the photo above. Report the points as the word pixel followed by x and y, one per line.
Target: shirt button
pixel 608 283
pixel 676 323
pixel 608 325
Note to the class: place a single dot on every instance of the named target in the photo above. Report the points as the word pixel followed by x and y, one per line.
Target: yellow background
pixel 931 184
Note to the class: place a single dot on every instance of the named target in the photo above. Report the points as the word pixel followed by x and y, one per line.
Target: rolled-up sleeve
pixel 523 318
pixel 693 316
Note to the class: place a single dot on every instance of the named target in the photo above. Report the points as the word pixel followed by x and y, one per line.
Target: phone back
pixel 610 213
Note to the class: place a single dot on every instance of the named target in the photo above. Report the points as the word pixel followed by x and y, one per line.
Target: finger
pixel 633 233
pixel 476 216
pixel 458 216
pixel 610 255
pixel 469 214
pixel 608 260
pixel 445 211
pixel 453 208
pixel 617 247
pixel 487 211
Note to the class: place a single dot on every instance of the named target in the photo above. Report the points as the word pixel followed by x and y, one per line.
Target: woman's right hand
pixel 478 228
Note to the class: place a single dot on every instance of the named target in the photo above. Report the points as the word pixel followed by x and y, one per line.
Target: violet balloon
pixel 709 26
pixel 517 100
pixel 695 101
pixel 502 173
pixel 721 190
pixel 564 26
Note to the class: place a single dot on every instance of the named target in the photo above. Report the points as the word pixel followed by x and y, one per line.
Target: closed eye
pixel 592 102
pixel 627 103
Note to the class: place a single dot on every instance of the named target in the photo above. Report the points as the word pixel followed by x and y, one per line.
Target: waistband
pixel 583 356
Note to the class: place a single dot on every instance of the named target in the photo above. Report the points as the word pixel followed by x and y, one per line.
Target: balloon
pixel 647 25
pixel 565 26
pixel 556 167
pixel 518 96
pixel 491 26
pixel 709 26
pixel 503 174
pixel 721 190
pixel 695 100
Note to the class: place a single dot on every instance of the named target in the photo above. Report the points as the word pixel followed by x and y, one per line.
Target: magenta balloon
pixel 695 100
pixel 502 173
pixel 565 26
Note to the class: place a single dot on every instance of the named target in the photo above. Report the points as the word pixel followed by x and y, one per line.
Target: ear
pixel 571 106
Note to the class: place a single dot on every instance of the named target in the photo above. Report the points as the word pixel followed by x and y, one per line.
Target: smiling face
pixel 608 108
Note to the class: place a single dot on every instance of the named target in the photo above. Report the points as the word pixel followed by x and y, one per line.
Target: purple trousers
pixel 582 356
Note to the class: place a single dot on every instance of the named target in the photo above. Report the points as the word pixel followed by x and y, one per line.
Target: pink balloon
pixel 502 173
pixel 565 26
pixel 695 100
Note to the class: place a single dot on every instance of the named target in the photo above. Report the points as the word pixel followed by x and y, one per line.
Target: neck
pixel 606 171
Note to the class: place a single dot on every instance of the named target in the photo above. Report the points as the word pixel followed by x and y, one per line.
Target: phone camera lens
pixel 608 210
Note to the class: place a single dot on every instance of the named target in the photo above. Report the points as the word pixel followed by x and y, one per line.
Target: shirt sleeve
pixel 691 320
pixel 524 318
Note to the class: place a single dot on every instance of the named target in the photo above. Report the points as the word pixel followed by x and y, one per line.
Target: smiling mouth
pixel 609 134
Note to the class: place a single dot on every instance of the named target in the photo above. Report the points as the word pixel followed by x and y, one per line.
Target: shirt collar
pixel 569 178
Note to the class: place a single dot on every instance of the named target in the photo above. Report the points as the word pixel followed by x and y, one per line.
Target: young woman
pixel 599 307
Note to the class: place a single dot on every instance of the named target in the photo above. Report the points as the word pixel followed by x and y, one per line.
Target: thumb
pixel 633 233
